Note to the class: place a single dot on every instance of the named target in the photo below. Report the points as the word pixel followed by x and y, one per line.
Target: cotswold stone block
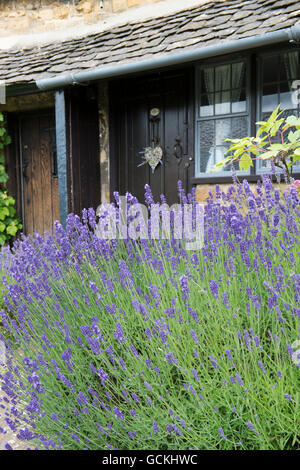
pixel 61 12
pixel 119 5
pixel 46 14
pixel 35 16
pixel 134 3
pixel 21 25
pixel 85 6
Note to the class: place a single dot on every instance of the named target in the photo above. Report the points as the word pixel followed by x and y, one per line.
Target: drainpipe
pixel 291 35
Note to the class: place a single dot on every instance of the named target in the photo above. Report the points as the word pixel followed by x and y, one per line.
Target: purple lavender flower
pixel 118 413
pixel 251 427
pixel 184 286
pixel 239 380
pixel 214 362
pixel 82 399
pixel 134 351
pixel 261 366
pixel 194 336
pixel 171 359
pixel 221 433
pixel 155 427
pixel 119 333
pixel 213 285
pixel 75 437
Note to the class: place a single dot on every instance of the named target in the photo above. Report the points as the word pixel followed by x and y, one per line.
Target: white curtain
pixel 216 80
pixel 291 63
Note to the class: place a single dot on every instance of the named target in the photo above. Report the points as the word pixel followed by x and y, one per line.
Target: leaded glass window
pixel 222 112
pixel 279 72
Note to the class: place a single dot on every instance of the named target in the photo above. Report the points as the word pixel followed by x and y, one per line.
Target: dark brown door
pixel 38 172
pixel 133 127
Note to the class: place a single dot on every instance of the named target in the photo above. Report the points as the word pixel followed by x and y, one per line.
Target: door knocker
pixel 178 150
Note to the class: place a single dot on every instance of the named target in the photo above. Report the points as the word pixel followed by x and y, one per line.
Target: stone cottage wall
pixel 34 16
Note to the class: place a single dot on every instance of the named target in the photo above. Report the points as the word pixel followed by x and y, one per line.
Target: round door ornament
pixel 152 156
pixel 154 112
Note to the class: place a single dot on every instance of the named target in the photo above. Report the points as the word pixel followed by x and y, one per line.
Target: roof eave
pixel 291 34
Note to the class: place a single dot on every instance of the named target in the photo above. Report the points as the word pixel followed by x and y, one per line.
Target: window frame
pixel 254 87
pixel 259 98
pixel 216 117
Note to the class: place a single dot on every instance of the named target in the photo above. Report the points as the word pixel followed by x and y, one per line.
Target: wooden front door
pixel 38 165
pixel 146 112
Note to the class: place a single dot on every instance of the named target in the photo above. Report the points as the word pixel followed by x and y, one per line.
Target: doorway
pixel 152 111
pixel 38 168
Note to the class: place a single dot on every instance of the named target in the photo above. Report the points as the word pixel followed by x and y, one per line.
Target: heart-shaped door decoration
pixel 152 156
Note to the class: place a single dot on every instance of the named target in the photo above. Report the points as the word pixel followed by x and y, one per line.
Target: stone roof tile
pixel 204 25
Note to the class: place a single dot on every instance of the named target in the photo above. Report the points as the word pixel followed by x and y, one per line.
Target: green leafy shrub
pixel 277 141
pixel 9 223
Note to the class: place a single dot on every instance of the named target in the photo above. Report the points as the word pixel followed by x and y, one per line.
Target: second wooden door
pixel 38 167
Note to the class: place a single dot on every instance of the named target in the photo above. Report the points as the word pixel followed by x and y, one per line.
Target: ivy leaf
pixel 3 178
pixel 4 212
pixel 12 211
pixel 6 140
pixel 12 229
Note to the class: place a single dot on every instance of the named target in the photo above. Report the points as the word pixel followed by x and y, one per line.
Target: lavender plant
pixel 144 345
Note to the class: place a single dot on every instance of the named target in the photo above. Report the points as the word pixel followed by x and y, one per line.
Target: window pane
pixel 286 95
pixel 223 131
pixel 223 77
pixel 207 80
pixel 207 105
pixel 263 165
pixel 207 133
pixel 238 78
pixel 222 102
pixel 222 93
pixel 270 69
pixel 209 156
pixel 279 73
pixel 239 127
pixel 207 141
pixel 212 141
pixel 238 100
pixel 289 66
pixel 270 97
pixel 217 155
pixel 205 153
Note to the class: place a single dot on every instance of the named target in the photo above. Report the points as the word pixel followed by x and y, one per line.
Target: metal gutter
pixel 291 34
